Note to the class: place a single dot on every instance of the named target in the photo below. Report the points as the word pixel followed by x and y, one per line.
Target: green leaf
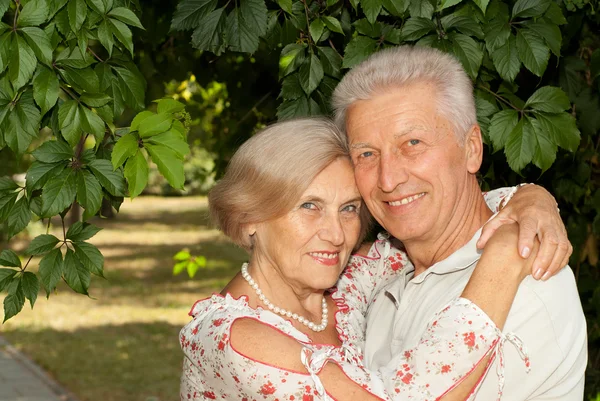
pixel 468 52
pixel 89 192
pixel 497 33
pixel 39 42
pixel 448 3
pixel 532 51
pixel 484 107
pixel 135 124
pixel 421 8
pixel 291 88
pixel 125 147
pixel 330 60
pixel 554 14
pixel 254 13
pixel 501 125
pixel 9 258
pixel 210 32
pixel 77 11
pixel 371 8
pixel 112 180
pixel 550 33
pixel 74 58
pixel 482 4
pixel 189 13
pixel 69 121
pixel 6 276
pixel 286 5
pixel 95 99
pixel 19 217
pixel 4 4
pixel 332 24
pixel 126 15
pixel 173 141
pixel 45 88
pixel 357 50
pixel 22 124
pixel 76 275
pixel 122 33
pixel 301 107
pixel 545 152
pixel 99 6
pixel 506 60
pixel 169 164
pixel 7 201
pixel 530 8
pixel 136 173
pixel 7 184
pixel 396 7
pixel 34 13
pixel 316 29
pixel 562 128
pixel 59 193
pixel 92 123
pixel 169 105
pixel 291 57
pixel 83 79
pixel 241 38
pixel 53 151
pixel 41 244
pixel 5 49
pixel 416 28
pixel 549 99
pixel 155 124
pixel 13 303
pixel 310 74
pixel 132 85
pixel 31 287
pixel 463 24
pixel 520 145
pixel 22 62
pixel 39 173
pixel 105 36
pixel 90 257
pixel 51 270
pixel 82 231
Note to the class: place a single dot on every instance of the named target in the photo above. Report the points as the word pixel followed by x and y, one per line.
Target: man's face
pixel 409 166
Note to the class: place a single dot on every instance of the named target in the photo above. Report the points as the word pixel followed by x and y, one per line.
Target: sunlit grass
pixel 122 344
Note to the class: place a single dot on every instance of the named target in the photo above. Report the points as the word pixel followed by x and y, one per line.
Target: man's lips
pixel 407 200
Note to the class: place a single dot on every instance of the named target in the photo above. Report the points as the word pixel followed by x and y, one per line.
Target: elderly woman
pixel 279 331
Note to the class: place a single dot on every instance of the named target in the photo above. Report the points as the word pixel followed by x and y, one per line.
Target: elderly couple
pixel 420 314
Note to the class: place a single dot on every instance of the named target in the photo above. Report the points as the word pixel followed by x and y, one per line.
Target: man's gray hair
pixel 399 66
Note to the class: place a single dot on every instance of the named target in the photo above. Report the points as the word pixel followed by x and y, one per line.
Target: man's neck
pixel 469 217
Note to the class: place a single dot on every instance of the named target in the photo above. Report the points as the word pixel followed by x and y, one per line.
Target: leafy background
pixel 74 71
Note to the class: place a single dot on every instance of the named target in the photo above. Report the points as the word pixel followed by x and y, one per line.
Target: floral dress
pixel 457 339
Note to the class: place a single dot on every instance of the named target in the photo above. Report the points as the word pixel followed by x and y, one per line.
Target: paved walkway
pixel 23 380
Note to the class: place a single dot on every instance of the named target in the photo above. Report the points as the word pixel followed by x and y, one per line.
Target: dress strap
pixel 521 349
pixel 314 361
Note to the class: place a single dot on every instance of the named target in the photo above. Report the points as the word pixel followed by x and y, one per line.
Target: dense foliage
pixel 66 74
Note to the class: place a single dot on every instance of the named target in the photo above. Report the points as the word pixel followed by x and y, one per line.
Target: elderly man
pixel 410 119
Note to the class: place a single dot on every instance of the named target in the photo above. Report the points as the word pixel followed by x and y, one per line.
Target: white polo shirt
pixel 546 316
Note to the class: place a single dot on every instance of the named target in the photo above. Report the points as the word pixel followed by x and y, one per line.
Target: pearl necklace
pixel 284 312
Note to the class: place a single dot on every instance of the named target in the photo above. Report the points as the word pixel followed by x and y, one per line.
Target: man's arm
pixel 536 212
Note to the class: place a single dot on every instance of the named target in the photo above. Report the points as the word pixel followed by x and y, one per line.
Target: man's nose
pixel 392 172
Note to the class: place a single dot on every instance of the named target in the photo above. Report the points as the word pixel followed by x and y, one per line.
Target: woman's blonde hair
pixel 269 172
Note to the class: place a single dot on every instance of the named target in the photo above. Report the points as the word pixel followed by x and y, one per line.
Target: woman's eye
pixel 413 142
pixel 350 208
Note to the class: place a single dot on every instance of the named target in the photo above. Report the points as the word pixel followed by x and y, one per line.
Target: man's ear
pixel 474 149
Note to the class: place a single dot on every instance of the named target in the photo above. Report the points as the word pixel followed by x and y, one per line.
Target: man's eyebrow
pixel 360 145
pixel 408 130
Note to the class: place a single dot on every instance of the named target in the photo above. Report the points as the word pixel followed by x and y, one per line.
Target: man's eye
pixel 413 142
pixel 366 154
pixel 308 205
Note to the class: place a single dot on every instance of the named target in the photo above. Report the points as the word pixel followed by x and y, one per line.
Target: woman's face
pixel 311 244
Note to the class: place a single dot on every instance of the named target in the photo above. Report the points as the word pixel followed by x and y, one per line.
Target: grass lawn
pixel 122 344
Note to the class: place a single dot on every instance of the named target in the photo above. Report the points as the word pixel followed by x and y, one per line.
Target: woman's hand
pixel 501 251
pixel 535 211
